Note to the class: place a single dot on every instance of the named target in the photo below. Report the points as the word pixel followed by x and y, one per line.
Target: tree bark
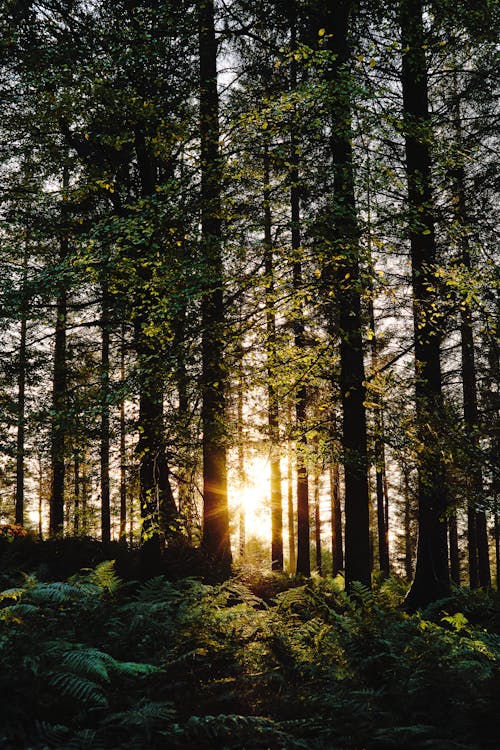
pixel 59 384
pixel 303 522
pixel 345 251
pixel 431 580
pixel 292 561
pixel 317 522
pixel 337 546
pixel 104 427
pixel 216 541
pixel 272 399
pixel 454 550
pixel 21 395
pixel 123 443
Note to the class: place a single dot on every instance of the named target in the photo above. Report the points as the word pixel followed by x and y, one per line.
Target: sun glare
pixel 252 497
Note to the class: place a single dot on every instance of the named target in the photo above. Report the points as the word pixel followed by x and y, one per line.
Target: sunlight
pixel 253 497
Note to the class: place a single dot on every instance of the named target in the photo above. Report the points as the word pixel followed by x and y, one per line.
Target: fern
pixel 228 731
pixel 54 593
pixel 78 689
pixel 89 662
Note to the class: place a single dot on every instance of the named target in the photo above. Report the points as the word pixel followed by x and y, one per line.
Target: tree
pixel 343 272
pixel 431 580
pixel 214 378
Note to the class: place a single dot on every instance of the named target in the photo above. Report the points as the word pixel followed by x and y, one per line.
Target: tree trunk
pixel 21 396
pixel 58 427
pixel 378 437
pixel 123 443
pixel 431 580
pixel 337 546
pixel 454 551
pixel 104 427
pixel 216 541
pixel 317 522
pixel 477 536
pixel 241 455
pixel 156 499
pixel 345 250
pixel 272 399
pixel 303 523
pixel 408 542
pixel 292 562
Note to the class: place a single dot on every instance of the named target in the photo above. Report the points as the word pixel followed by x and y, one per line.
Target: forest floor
pixel 98 659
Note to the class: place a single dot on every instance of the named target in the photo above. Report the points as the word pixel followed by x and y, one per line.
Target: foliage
pixel 189 665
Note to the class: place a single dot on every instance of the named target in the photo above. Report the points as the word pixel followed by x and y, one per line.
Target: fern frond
pixel 55 592
pixel 105 577
pixel 89 662
pixel 14 593
pixel 361 593
pixel 78 688
pixel 233 732
pixel 158 589
pixel 145 713
pixel 134 669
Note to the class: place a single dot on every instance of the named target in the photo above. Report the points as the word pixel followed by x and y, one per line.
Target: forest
pixel 249 374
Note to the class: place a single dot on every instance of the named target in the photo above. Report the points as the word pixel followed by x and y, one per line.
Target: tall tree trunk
pixel 454 550
pixel 123 442
pixel 21 395
pixel 378 416
pixel 408 542
pixel 303 523
pixel 241 453
pixel 40 496
pixel 337 546
pixel 156 499
pixel 292 561
pixel 346 251
pixel 104 427
pixel 214 376
pixel 477 536
pixel 58 427
pixel 317 522
pixel 76 480
pixel 431 580
pixel 272 399
pixel 380 469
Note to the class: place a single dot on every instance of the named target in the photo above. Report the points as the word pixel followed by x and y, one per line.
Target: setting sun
pixel 252 497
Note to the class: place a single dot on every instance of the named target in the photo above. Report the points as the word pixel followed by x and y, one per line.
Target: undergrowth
pixel 94 662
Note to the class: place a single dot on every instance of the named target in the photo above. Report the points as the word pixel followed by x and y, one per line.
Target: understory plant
pixel 96 662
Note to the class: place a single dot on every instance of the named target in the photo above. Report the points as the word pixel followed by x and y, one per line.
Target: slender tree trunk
pixel 431 580
pixel 378 437
pixel 58 427
pixel 272 399
pixel 346 250
pixel 241 455
pixel 337 545
pixel 303 523
pixel 477 535
pixel 40 497
pixel 123 443
pixel 454 551
pixel 21 396
pixel 291 514
pixel 497 545
pixel 104 428
pixel 156 499
pixel 317 522
pixel 214 376
pixel 408 548
pixel 76 478
pixel 379 449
